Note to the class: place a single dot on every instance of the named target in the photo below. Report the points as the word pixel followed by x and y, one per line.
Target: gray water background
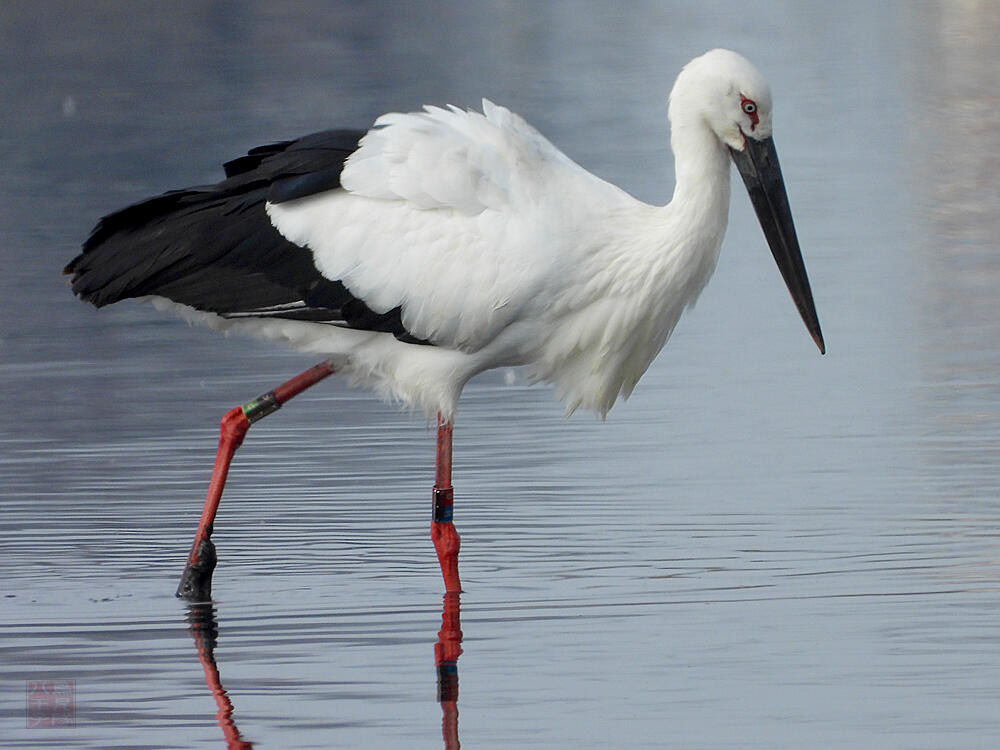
pixel 762 548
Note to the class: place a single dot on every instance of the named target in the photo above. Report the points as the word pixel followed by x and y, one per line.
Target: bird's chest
pixel 601 341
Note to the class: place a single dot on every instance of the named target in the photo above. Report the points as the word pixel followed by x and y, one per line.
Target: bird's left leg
pixel 446 541
pixel 196 582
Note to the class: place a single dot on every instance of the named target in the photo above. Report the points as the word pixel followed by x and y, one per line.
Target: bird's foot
pixel 196 581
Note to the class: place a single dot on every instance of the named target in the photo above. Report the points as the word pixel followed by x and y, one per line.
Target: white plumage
pixel 502 251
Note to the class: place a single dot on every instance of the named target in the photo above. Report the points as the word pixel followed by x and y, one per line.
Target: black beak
pixel 758 164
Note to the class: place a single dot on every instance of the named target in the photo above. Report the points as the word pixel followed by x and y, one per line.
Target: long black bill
pixel 758 163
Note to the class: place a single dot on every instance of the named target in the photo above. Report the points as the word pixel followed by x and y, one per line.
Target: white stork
pixel 442 243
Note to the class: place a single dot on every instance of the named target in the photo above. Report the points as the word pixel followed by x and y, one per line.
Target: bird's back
pixel 469 221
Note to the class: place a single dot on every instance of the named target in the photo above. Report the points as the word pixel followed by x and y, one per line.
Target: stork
pixel 443 243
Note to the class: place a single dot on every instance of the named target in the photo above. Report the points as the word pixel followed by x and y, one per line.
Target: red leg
pixel 443 533
pixel 196 582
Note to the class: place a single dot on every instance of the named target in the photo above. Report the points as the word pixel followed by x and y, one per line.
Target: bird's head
pixel 727 93
pixel 723 91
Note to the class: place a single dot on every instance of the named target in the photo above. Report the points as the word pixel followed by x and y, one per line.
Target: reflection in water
pixel 205 631
pixel 446 652
pixel 204 628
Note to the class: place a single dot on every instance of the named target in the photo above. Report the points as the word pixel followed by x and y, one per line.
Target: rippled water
pixel 763 548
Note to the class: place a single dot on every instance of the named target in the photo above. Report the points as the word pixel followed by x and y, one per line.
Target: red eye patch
pixel 749 107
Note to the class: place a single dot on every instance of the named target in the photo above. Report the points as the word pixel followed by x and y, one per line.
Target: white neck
pixel 702 172
pixel 642 274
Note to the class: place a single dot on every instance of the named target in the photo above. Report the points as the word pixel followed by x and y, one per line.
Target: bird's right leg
pixel 196 581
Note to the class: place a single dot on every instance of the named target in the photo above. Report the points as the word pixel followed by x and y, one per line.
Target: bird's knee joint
pixel 234 425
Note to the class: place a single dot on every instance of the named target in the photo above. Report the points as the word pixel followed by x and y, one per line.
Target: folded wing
pixel 457 218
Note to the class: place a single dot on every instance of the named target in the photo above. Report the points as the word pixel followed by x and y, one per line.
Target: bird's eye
pixel 749 107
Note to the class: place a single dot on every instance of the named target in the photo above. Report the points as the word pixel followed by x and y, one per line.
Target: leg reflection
pixel 205 630
pixel 446 652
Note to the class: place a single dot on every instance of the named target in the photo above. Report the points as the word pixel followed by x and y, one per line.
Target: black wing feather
pixel 214 248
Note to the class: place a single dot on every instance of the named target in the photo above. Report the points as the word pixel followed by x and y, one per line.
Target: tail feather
pixel 214 248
